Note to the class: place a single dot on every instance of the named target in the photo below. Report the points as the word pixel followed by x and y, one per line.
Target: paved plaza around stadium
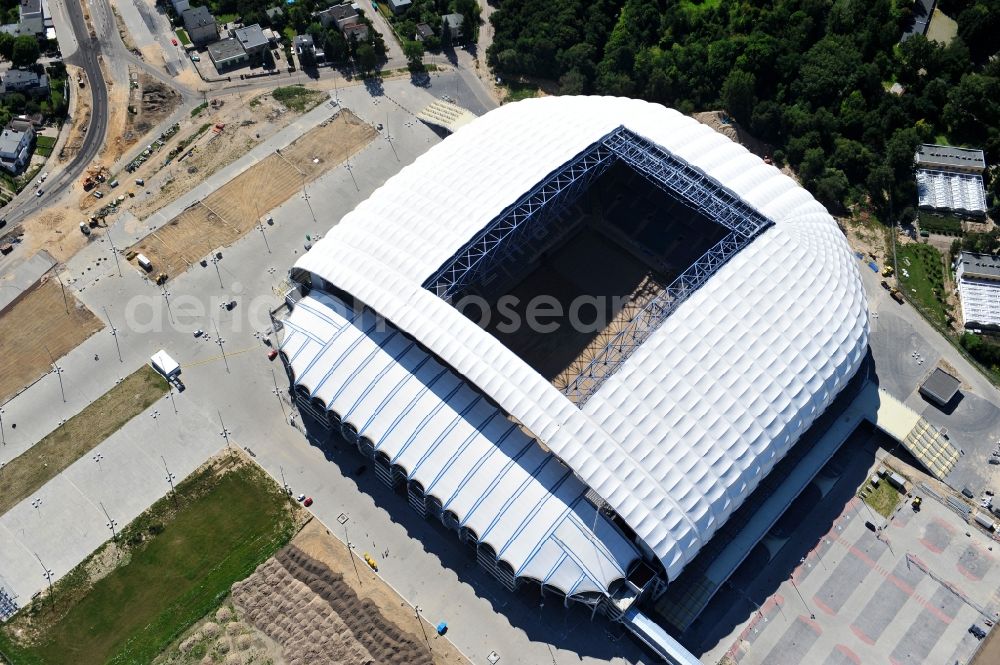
pixel 836 593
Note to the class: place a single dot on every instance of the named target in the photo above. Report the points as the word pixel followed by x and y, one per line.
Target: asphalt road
pixel 85 57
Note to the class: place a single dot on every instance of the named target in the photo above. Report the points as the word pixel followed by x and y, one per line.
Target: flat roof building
pixel 940 387
pixel 227 54
pixel 950 158
pixel 978 277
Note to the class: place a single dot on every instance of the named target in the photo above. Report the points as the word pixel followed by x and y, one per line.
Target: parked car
pixel 308 502
pixel 173 41
pixel 272 354
pixel 196 58
pixel 39 192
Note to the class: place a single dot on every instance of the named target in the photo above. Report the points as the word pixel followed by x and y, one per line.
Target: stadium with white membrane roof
pixel 727 312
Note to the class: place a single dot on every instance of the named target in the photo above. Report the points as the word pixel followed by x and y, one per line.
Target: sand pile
pixel 317 618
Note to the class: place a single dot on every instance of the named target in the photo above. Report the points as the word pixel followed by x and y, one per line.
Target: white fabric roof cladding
pixel 499 483
pixel 685 430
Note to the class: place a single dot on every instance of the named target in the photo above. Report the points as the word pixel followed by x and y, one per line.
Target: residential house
pixel 358 32
pixel 200 26
pixel 253 40
pixel 339 15
pixel 399 6
pixel 15 149
pixel 227 54
pixel 25 82
pixel 273 14
pixel 303 43
pixel 452 24
pixel 32 17
pixel 423 32
pixel 180 6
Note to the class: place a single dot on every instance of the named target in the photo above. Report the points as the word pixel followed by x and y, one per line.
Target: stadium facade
pixel 600 476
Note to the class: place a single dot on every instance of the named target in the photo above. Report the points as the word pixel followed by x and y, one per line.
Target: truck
pixel 896 295
pixel 143 262
pixel 168 367
pixel 983 520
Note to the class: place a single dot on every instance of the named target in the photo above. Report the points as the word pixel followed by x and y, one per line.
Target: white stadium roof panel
pixel 510 493
pixel 691 422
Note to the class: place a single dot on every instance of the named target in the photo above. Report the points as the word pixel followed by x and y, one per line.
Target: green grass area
pixel 180 558
pixel 517 91
pixel 297 98
pixel 27 472
pixel 923 279
pixel 182 36
pixel 225 18
pixel 882 499
pixel 44 145
pixel 948 225
pixel 198 109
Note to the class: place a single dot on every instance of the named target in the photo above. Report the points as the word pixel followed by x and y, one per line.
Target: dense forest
pixel 814 78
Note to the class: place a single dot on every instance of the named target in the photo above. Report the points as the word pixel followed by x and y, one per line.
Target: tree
pixel 6 45
pixel 738 95
pixel 572 83
pixel 366 58
pixel 414 52
pixel 25 51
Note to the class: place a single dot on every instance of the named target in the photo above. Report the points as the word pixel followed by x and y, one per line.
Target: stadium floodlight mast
pixel 388 136
pixel 97 459
pixel 36 503
pixel 3 435
pixel 170 478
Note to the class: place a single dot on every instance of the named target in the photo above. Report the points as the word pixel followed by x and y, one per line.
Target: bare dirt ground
pixel 307 605
pixel 246 122
pixel 734 131
pixel 150 102
pixel 81 117
pixel 942 28
pixel 228 213
pixel 40 314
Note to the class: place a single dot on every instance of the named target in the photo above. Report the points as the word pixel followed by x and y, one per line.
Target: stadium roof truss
pixel 539 214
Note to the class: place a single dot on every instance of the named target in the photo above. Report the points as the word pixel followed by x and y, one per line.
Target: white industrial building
pixel 978 277
pixel 950 179
pixel 600 484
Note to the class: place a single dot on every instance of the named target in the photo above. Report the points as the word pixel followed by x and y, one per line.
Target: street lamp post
pixel 36 503
pixel 277 394
pixel 3 435
pixel 795 586
pixel 58 370
pixel 221 342
pixel 114 333
pixel 97 458
pixel 111 524
pixel 46 573
pixel 215 262
pixel 166 297
pixel 170 390
pixel 114 251
pixel 225 432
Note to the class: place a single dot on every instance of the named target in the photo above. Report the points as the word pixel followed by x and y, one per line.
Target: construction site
pixel 237 207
